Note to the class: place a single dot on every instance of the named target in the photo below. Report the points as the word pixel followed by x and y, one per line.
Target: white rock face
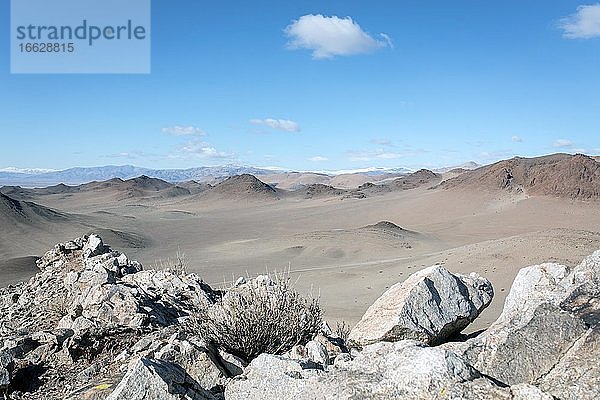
pixel 429 306
pixel 548 333
pixel 403 370
pixel 151 379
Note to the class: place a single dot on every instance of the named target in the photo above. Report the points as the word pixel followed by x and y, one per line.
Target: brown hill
pixel 195 187
pixel 14 212
pixel 245 185
pixel 409 181
pixel 318 190
pixel 459 171
pixel 560 175
pixel 415 180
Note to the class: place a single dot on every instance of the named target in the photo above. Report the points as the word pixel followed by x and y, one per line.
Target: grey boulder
pixel 431 305
pixel 149 379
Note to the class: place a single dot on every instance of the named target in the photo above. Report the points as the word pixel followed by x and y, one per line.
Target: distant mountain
pixel 79 175
pixel 35 177
pixel 466 166
pixel 369 171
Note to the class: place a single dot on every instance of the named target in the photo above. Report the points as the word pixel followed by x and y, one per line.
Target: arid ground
pixel 343 246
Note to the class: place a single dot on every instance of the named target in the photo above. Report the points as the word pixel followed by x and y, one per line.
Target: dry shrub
pixel 342 331
pixel 178 266
pixel 256 319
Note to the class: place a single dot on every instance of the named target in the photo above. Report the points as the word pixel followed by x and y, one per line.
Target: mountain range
pixel 75 176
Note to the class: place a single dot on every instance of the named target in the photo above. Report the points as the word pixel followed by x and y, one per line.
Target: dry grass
pixel 59 306
pixel 178 266
pixel 256 319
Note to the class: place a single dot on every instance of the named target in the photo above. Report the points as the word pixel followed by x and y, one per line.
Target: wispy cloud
pixel 183 130
pixel 383 142
pixel 379 154
pixel 563 144
pixel 279 124
pixel 318 158
pixel 517 139
pixel 583 24
pixel 203 149
pixel 328 37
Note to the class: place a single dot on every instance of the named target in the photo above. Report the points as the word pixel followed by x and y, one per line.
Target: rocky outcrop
pixel 83 283
pixel 89 313
pixel 158 380
pixel 405 370
pixel 429 306
pixel 548 333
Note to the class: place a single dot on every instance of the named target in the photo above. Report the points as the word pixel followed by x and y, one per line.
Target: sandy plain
pixel 333 246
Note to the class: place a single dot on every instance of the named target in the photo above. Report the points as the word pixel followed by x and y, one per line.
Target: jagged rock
pixel 317 352
pixel 101 303
pixel 93 247
pixel 6 362
pixel 405 369
pixel 431 305
pixel 548 333
pixel 334 345
pixel 234 365
pixel 151 379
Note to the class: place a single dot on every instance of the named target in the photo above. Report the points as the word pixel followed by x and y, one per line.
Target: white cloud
pixel 184 130
pixel 517 139
pixel 203 150
pixel 318 158
pixel 279 124
pixel 328 37
pixel 563 143
pixel 584 24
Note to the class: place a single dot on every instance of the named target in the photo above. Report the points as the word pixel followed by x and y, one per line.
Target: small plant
pixel 342 331
pixel 260 318
pixel 177 266
pixel 59 307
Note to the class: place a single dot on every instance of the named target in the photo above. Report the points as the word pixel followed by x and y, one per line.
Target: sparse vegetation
pixel 260 318
pixel 342 330
pixel 59 307
pixel 177 266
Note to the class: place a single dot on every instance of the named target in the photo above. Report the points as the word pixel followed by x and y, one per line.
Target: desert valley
pixel 344 238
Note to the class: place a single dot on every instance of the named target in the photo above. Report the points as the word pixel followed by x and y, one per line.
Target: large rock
pixel 429 306
pixel 6 362
pixel 403 370
pixel 151 379
pixel 548 333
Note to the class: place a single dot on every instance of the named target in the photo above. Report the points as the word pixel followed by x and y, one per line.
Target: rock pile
pixel 94 325
pixel 72 329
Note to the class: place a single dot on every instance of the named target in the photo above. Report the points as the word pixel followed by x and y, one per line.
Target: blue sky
pixel 299 85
